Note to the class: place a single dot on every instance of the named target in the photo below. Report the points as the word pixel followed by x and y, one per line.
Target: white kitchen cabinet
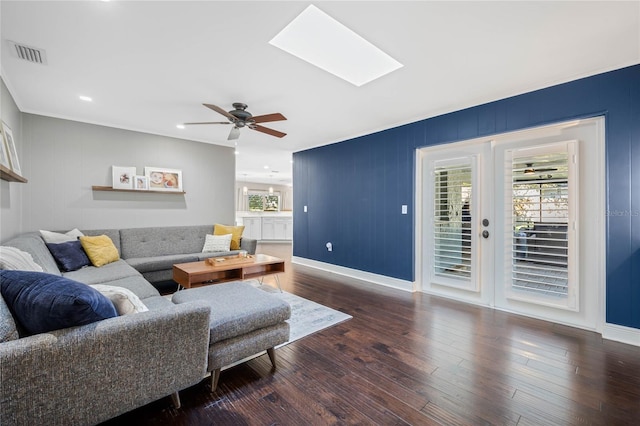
pixel 274 228
pixel 268 228
pixel 288 230
pixel 252 227
pixel 277 228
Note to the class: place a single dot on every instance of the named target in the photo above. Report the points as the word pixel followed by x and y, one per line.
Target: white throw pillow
pixel 56 237
pixel 14 259
pixel 217 242
pixel 124 300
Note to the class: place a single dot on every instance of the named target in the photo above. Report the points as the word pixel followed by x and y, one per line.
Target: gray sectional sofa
pixel 88 374
pixel 150 251
pixel 154 251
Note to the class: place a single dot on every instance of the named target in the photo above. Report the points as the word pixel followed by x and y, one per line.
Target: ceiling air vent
pixel 28 53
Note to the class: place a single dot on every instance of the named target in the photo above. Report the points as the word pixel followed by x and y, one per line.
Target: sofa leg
pixel 215 376
pixel 175 399
pixel 272 356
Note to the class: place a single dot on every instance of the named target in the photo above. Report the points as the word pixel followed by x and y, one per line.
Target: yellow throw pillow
pixel 235 231
pixel 100 249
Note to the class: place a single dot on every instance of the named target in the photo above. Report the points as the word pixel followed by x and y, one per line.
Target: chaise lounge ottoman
pixel 244 321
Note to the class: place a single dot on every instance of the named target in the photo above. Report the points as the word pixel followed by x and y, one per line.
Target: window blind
pixel 540 209
pixel 452 221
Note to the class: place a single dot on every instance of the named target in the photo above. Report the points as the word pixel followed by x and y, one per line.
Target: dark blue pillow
pixel 69 255
pixel 44 302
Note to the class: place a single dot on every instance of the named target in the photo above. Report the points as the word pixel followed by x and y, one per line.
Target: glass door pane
pixel 452 226
pixel 541 203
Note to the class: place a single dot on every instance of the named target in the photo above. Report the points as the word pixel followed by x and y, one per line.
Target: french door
pixel 505 222
pixel 455 205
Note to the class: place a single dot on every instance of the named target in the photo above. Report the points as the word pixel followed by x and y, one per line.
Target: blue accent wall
pixel 354 189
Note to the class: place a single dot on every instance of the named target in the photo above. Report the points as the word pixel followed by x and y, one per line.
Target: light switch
pixel 404 209
pixel 305 209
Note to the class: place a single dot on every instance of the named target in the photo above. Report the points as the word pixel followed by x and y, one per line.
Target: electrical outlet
pixel 404 209
pixel 305 209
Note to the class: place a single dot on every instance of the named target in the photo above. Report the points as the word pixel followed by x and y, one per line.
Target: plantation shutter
pixel 542 258
pixel 452 261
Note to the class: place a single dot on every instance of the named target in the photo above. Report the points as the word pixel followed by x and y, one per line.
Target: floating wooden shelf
pixel 8 175
pixel 111 189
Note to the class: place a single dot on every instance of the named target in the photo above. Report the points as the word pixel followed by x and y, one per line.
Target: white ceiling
pixel 149 65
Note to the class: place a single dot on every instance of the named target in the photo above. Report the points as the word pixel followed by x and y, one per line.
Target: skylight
pixel 317 38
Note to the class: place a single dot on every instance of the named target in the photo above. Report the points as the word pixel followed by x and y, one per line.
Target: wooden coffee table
pixel 196 274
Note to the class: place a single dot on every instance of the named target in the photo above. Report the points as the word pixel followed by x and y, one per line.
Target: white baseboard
pixel 622 334
pixel 355 273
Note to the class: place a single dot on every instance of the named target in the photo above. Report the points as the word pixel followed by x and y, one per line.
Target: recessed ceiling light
pixel 236 152
pixel 180 126
pixel 317 38
pixel 266 167
pixel 85 98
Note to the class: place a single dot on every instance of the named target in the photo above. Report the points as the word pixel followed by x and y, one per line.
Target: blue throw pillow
pixel 43 302
pixel 69 255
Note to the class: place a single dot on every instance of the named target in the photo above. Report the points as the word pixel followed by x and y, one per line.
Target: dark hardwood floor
pixel 416 359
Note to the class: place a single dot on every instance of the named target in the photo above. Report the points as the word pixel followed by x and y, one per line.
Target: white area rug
pixel 307 317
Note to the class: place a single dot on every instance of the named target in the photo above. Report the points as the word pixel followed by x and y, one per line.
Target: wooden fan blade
pixel 234 134
pixel 220 111
pixel 268 131
pixel 268 117
pixel 208 122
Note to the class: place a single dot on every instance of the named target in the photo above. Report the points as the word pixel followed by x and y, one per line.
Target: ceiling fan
pixel 530 173
pixel 240 118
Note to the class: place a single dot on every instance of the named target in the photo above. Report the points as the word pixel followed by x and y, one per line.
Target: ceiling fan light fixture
pixel 234 133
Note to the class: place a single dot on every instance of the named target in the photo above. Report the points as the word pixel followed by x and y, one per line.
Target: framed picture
pixel 10 147
pixel 140 182
pixel 162 179
pixel 123 177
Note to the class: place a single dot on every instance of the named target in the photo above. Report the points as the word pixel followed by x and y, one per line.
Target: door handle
pixel 485 233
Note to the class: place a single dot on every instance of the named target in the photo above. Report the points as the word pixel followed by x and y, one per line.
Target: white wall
pixel 11 192
pixel 63 159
